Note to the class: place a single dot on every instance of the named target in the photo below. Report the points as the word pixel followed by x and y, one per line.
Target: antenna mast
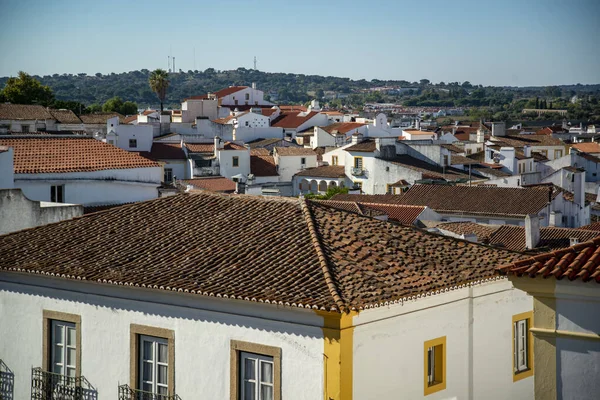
pixel 255 63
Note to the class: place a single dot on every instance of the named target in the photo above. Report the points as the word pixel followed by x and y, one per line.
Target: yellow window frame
pixel 439 366
pixel 518 375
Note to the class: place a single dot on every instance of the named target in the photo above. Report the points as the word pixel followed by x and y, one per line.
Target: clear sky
pixel 489 42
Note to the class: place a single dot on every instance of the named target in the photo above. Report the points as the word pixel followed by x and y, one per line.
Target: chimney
pixel 498 128
pixel 579 188
pixel 357 138
pixel 565 126
pixel 532 231
pixel 418 124
pixel 527 150
pixel 254 85
pixel 218 144
pixel 573 241
pixel 240 187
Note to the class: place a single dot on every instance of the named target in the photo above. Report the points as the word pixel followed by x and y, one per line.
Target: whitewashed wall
pixel 7 176
pixel 477 322
pixel 226 162
pixel 203 328
pixel 290 165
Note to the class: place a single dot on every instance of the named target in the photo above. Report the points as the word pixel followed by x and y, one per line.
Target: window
pixel 168 175
pixel 247 96
pixel 435 365
pixel 469 152
pixel 544 152
pixel 25 128
pixel 247 123
pixel 522 346
pixel 235 102
pixel 334 160
pixel 57 193
pixel 358 162
pixel 111 142
pixel 255 371
pixel 152 359
pixel 389 189
pixel 62 343
pixel 303 161
pixel 236 161
pixel 133 143
pixel 558 153
pixel 520 168
pixel 154 365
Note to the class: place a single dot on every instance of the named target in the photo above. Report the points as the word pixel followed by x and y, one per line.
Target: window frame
pixel 155 341
pixel 259 359
pixel 134 141
pixel 527 318
pixel 137 332
pixel 237 348
pixel 334 160
pixel 558 153
pixel 235 161
pixel 168 171
pixel 356 159
pixel 439 365
pixel 48 316
pixel 302 160
pixel 54 197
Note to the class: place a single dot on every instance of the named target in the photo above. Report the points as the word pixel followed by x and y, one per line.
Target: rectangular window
pixel 358 162
pixel 247 96
pixel 469 152
pixel 111 142
pixel 236 161
pixel 334 160
pixel 389 189
pixel 152 359
pixel 57 193
pixel 558 153
pixel 303 161
pixel 25 128
pixel 255 371
pixel 544 152
pixel 63 350
pixel 435 365
pixel 522 346
pixel 168 175
pixel 132 143
pixel 154 365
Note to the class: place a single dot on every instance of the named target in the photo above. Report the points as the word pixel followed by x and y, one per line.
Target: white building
pixel 408 313
pixel 136 138
pixel 291 160
pixel 318 180
pixel 81 170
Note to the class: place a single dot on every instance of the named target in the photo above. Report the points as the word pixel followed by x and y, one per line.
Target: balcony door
pixel 154 365
pixel 63 352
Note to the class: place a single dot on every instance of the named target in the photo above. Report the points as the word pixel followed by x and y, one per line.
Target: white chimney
pixel 418 124
pixel 532 231
pixel 498 128
pixel 556 219
pixel 254 85
pixel 579 188
pixel 218 145
pixel 573 241
pixel 357 138
pixel 527 150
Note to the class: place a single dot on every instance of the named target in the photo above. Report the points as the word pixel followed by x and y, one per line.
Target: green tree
pixel 24 89
pixel 113 105
pixel 129 108
pixel 93 108
pixel 159 83
pixel 329 194
pixel 75 106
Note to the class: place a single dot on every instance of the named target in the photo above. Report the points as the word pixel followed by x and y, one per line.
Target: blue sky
pixel 508 42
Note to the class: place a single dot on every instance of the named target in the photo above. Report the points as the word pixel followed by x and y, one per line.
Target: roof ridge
pixel 308 218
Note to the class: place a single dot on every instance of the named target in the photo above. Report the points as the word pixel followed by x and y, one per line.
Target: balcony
pixel 206 171
pixel 7 382
pixel 358 171
pixel 50 386
pixel 127 393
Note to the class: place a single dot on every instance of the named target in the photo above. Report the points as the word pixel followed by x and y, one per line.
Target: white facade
pixel 194 108
pixel 7 176
pixel 228 165
pixel 477 324
pixel 245 96
pixel 129 137
pixel 288 166
pixel 203 329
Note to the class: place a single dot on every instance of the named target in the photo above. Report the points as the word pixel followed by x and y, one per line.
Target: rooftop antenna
pixel 169 63
pixel 194 58
pixel 255 63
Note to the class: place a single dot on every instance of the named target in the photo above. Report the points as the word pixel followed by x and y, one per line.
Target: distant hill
pixel 287 88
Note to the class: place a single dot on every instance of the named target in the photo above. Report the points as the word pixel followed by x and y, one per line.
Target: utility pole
pixel 255 63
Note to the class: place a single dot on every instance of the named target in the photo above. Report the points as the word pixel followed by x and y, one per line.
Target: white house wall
pixel 226 163
pixel 143 134
pixel 247 134
pixel 7 176
pixel 290 165
pixel 203 330
pixel 477 323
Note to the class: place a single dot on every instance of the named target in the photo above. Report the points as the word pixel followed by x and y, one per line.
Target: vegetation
pixel 159 82
pixel 26 90
pixel 77 91
pixel 328 194
pixel 117 105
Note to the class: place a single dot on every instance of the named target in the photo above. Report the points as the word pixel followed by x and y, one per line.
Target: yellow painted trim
pixel 338 349
pixel 436 387
pixel 566 334
pixel 517 376
pixel 334 160
pixel 544 348
pixel 361 162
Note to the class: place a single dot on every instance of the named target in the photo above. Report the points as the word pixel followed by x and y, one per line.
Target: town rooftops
pixel 309 256
pixel 580 262
pixel 100 118
pixel 292 120
pixel 472 200
pixel 342 127
pixel 65 116
pixel 165 151
pixel 23 112
pixel 591 147
pixel 403 214
pixel 430 171
pixel 522 140
pixel 47 154
pixel 419 132
pixel 212 183
pixel 262 164
pixel 294 151
pixel 364 146
pixel 230 90
pixel 200 147
pixel 327 171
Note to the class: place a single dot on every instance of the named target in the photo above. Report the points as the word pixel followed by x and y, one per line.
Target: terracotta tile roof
pixel 539 157
pixel 93 209
pixel 453 148
pixel 349 206
pixel 263 142
pixel 233 146
pixel 483 231
pixel 165 151
pixel 580 262
pixel 263 165
pixel 455 159
pixel 65 116
pixel 484 169
pixel 294 151
pixel 47 154
pixel 403 214
pixel 130 119
pixel 531 140
pixel 296 108
pixel 230 90
pixel 260 151
pixel 292 120
pixel 430 171
pixel 212 183
pixel 513 237
pixel 342 127
pixel 23 112
pixel 419 132
pixel 310 256
pixel 328 171
pixel 466 199
pixel 365 146
pixel 200 147
pixel 591 147
pixel 100 118
pixel 225 120
pixel 594 226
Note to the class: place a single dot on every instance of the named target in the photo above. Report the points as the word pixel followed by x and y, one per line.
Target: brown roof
pixel 365 146
pixel 342 127
pixel 263 165
pixel 230 90
pixel 225 120
pixel 594 226
pixel 47 154
pixel 513 202
pixel 292 107
pixel 263 142
pixel 294 151
pixel 328 171
pixel 419 132
pixel 200 147
pixel 23 112
pixel 292 119
pixel 531 140
pixel 456 159
pixel 212 183
pixel 310 256
pixel 403 214
pixel 513 237
pixel 482 231
pixel 453 148
pixel 130 119
pixel 591 147
pixel 580 262
pixel 100 118
pixel 430 171
pixel 165 151
pixel 65 116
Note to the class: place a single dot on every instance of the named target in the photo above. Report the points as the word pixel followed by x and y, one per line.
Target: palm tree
pixel 159 83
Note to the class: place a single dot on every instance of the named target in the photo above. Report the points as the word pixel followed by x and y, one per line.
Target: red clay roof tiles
pixel 328 171
pixel 23 112
pixel 292 120
pixel 263 165
pixel 47 154
pixel 212 183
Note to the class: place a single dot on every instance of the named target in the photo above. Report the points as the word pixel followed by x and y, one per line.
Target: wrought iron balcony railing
pixel 7 382
pixel 50 386
pixel 127 393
